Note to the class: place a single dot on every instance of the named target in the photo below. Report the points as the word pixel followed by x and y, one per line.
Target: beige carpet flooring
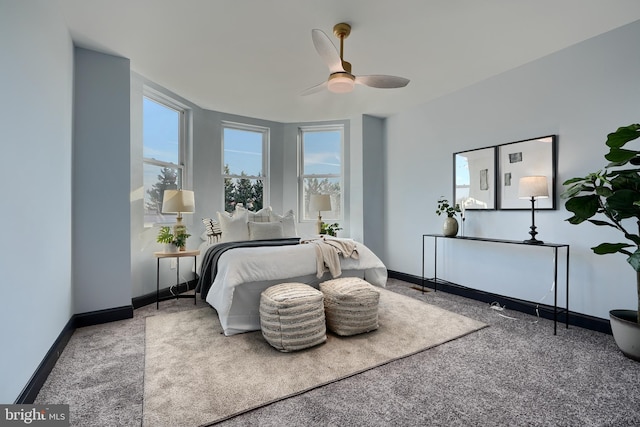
pixel 194 375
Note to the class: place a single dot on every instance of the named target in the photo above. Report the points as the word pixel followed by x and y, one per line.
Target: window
pixel 321 168
pixel 163 130
pixel 245 166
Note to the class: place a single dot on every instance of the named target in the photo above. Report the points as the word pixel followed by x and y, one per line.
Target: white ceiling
pixel 254 57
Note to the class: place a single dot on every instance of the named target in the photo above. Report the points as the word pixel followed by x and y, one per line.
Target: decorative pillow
pixel 263 215
pixel 288 221
pixel 265 230
pixel 212 230
pixel 234 228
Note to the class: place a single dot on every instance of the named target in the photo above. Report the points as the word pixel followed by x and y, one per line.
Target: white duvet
pixel 243 273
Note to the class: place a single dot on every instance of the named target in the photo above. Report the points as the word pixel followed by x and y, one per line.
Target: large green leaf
pixel 574 190
pixel 611 248
pixel 622 205
pixel 575 220
pixel 623 135
pixel 583 206
pixel 625 179
pixel 603 191
pixel 619 156
pixel 572 181
pixel 598 222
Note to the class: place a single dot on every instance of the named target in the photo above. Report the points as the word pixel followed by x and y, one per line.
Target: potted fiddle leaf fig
pixel 610 197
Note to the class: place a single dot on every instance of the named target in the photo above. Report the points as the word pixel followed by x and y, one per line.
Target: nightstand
pixel 177 255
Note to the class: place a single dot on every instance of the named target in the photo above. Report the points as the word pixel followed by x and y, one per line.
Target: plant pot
pixel 626 332
pixel 170 247
pixel 450 227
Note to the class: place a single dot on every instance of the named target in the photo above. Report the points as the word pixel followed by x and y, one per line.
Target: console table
pixel 553 246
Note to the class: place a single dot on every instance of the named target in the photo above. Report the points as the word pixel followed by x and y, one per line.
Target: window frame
pixel 183 132
pixel 302 176
pixel 265 177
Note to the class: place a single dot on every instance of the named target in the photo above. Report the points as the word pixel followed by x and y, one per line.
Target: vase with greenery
pixel 450 226
pixel 610 197
pixel 330 229
pixel 444 207
pixel 177 241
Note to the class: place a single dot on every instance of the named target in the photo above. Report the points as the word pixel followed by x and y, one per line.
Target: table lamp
pixel 319 202
pixel 178 201
pixel 533 187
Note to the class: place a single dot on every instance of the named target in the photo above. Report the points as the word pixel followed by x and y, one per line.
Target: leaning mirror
pixel 475 178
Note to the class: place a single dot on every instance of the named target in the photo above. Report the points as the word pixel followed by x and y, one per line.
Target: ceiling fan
pixel 340 78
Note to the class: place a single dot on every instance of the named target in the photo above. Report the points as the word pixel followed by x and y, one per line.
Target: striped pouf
pixel 292 316
pixel 350 305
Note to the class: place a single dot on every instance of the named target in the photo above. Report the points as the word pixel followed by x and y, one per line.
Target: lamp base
pixel 179 228
pixel 533 242
pixel 533 232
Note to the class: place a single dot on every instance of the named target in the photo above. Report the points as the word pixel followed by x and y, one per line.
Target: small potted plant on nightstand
pixel 450 226
pixel 172 242
pixel 330 229
pixel 180 240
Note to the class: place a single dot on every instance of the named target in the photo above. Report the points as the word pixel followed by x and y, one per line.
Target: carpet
pixel 194 375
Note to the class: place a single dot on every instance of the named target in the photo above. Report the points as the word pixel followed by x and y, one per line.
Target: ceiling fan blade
pixel 382 82
pixel 314 89
pixel 327 51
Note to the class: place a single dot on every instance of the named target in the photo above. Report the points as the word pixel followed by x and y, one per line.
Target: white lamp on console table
pixel 534 187
pixel 319 202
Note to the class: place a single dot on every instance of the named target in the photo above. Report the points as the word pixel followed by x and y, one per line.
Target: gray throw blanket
pixel 209 267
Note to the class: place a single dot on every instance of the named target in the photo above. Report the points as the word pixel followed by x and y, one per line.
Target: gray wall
pixel 581 94
pixel 101 182
pixel 36 79
pixel 373 183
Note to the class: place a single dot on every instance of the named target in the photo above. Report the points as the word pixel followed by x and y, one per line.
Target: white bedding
pixel 243 273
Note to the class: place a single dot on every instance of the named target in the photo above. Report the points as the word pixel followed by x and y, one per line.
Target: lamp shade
pixel 178 201
pixel 533 186
pixel 320 202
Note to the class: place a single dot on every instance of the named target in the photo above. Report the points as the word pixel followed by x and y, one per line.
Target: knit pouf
pixel 350 305
pixel 292 316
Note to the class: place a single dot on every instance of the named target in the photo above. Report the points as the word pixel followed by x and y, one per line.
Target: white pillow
pixel 265 230
pixel 234 228
pixel 263 215
pixel 288 221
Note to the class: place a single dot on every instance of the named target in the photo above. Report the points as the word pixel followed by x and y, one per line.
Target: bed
pixel 233 279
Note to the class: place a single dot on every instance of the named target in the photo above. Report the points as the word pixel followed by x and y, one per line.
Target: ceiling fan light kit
pixel 340 78
pixel 341 82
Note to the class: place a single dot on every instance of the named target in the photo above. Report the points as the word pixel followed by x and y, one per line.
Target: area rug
pixel 194 375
